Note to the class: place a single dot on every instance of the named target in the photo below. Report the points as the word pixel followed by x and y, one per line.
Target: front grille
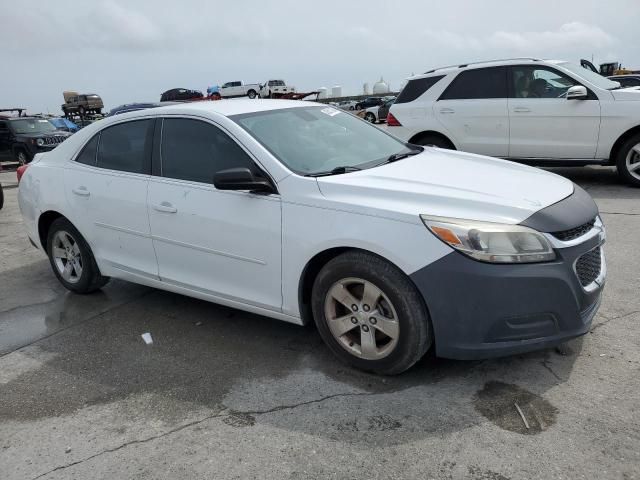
pixel 53 140
pixel 574 233
pixel 588 267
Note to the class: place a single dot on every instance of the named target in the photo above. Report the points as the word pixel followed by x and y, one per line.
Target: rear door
pixel 224 243
pixel 543 123
pixel 106 187
pixel 473 110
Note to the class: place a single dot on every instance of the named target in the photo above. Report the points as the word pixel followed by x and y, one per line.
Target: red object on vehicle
pixel 20 171
pixel 392 121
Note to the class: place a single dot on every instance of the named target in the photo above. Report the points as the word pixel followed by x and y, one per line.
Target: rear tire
pixel 628 161
pixel 71 258
pixel 370 314
pixel 370 117
pixel 433 141
pixel 252 94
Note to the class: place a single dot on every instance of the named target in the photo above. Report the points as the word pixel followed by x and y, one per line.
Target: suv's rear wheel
pixel 370 314
pixel 430 140
pixel 71 258
pixel 628 161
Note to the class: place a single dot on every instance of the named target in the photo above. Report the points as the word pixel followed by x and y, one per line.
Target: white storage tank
pixel 322 92
pixel 336 91
pixel 380 87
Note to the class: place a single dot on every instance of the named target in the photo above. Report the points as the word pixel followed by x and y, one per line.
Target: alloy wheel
pixel 362 318
pixel 66 255
pixel 22 158
pixel 632 161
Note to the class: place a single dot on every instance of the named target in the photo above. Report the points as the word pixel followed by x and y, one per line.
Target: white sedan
pixel 303 212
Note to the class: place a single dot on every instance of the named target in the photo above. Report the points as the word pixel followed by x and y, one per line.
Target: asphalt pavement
pixel 224 394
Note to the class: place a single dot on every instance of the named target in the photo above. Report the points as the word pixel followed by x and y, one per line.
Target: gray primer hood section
pixel 575 210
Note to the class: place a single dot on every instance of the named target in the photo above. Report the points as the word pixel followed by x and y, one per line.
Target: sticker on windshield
pixel 330 111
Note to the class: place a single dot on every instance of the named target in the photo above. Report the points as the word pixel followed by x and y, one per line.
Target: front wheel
pixel 71 258
pixel 370 117
pixel 22 157
pixel 369 313
pixel 628 161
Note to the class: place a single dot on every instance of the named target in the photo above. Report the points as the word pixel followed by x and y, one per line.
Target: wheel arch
pixel 312 269
pixel 44 223
pixel 620 141
pixel 433 133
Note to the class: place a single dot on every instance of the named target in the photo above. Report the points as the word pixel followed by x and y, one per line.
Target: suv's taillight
pixel 392 121
pixel 20 171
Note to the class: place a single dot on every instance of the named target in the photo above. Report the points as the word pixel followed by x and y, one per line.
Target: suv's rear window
pixel 415 88
pixel 478 83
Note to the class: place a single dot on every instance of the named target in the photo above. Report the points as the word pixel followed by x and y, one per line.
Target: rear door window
pixel 126 147
pixel 479 83
pixel 194 150
pixel 415 88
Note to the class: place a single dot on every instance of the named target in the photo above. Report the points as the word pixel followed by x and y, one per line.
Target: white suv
pixel 529 110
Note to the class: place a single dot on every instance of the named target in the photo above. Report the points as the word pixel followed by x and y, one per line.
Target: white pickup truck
pixel 238 89
pixel 275 88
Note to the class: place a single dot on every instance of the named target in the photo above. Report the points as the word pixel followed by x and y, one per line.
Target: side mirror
pixel 241 179
pixel 577 92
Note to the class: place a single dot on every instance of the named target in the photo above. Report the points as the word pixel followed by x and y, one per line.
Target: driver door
pixel 543 123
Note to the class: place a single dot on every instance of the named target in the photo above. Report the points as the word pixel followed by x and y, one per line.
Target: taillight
pixel 392 121
pixel 20 171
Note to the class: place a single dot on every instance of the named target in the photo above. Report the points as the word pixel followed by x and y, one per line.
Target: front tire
pixel 628 161
pixel 370 314
pixel 23 157
pixel 71 258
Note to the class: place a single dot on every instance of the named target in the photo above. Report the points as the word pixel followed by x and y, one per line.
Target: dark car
pixel 626 80
pixel 132 107
pixel 180 94
pixel 369 102
pixel 22 137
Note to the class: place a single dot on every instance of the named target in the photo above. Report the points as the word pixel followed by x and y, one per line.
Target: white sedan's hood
pixel 629 93
pixel 448 184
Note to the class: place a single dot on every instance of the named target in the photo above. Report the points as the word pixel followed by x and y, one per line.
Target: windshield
pixel 591 77
pixel 32 125
pixel 311 140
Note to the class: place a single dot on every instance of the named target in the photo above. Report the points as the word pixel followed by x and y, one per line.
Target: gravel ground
pixel 225 394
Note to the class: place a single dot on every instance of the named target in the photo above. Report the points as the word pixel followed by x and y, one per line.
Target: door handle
pixel 82 191
pixel 521 110
pixel 447 110
pixel 165 207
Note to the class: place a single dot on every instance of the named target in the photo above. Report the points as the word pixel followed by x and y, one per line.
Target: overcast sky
pixel 133 50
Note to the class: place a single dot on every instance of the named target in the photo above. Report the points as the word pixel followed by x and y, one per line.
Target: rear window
pixel 477 84
pixel 415 88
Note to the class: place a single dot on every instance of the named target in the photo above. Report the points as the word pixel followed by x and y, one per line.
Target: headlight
pixel 40 142
pixel 491 242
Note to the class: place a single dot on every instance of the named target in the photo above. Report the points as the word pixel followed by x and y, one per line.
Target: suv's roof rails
pixel 463 65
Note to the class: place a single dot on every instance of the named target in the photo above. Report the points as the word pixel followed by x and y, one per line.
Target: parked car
pixel 132 107
pixel 475 255
pixel 626 80
pixel 22 137
pixel 178 94
pixel 369 102
pixel 379 113
pixel 238 89
pixel 347 104
pixel 275 88
pixel 64 124
pixel 75 103
pixel 527 110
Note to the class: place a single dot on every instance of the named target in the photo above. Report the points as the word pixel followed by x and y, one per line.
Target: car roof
pixel 483 64
pixel 222 107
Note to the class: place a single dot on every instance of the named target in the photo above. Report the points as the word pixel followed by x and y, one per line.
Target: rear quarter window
pixel 415 88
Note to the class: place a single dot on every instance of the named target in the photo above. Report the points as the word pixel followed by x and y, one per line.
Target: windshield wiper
pixel 335 171
pixel 399 156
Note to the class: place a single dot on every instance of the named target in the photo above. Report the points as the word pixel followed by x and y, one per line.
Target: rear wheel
pixel 22 156
pixel 71 258
pixel 370 117
pixel 628 161
pixel 252 94
pixel 433 141
pixel 370 314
